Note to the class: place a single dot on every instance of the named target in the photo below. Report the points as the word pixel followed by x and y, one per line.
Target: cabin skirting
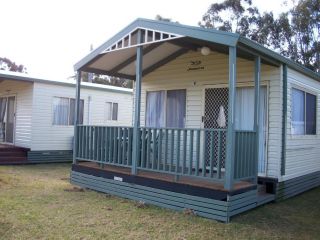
pixel 295 186
pixel 220 210
pixel 51 156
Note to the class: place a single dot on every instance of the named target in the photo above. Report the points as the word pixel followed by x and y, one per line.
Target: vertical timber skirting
pixel 220 210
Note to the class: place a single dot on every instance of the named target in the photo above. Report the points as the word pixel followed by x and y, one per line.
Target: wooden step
pixel 13 154
pixel 264 198
pixel 13 159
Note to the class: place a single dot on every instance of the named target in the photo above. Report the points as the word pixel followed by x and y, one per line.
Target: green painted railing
pixel 107 145
pixel 245 155
pixel 190 152
pixel 181 152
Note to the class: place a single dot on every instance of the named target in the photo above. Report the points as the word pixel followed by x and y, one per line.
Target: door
pixel 10 120
pixel 7 119
pixel 216 115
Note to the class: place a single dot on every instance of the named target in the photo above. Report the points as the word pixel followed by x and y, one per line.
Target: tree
pixel 294 33
pixel 8 65
pixel 106 80
pixel 303 34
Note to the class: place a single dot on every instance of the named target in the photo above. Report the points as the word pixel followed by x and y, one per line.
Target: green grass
pixel 36 203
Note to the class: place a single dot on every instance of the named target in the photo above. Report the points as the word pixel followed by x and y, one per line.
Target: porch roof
pixel 164 41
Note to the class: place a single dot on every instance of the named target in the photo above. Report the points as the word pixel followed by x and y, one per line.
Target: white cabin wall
pixel 174 75
pixel 24 94
pixel 302 151
pixel 49 137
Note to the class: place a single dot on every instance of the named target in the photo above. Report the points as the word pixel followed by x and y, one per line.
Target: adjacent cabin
pixel 37 116
pixel 221 124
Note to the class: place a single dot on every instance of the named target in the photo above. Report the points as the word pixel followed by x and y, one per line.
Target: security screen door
pixel 216 116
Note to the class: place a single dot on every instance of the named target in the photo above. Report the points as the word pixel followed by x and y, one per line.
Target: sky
pixel 49 36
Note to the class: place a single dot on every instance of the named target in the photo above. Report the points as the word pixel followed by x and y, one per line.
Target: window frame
pixel 165 106
pixel 69 105
pixel 305 92
pixel 112 107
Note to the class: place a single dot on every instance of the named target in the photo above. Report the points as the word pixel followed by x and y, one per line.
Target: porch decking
pixel 164 178
pixel 10 154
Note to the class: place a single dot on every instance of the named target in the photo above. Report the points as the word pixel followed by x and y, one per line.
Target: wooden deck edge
pixel 154 183
pixel 205 207
pixel 297 185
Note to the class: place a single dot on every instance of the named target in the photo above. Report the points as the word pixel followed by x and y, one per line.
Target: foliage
pixel 294 33
pixel 161 18
pixel 106 80
pixel 8 65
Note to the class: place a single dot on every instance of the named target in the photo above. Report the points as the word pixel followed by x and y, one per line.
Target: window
pixel 64 111
pixel 166 108
pixel 111 111
pixel 303 116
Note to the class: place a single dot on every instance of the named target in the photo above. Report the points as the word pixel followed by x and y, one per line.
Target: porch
pixel 209 153
pixel 10 154
pixel 195 154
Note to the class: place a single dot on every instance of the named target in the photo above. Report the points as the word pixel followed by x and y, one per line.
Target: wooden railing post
pixel 137 105
pixel 230 148
pixel 76 117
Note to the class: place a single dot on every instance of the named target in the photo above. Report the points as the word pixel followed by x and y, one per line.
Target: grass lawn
pixel 38 202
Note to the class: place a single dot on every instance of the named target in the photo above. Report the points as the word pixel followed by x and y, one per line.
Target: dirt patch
pixel 188 211
pixel 3 182
pixel 141 204
pixel 74 189
pixel 65 179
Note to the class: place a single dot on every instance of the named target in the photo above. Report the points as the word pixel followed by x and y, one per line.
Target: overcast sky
pixel 50 36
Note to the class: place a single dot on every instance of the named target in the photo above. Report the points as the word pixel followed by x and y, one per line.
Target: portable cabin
pixel 221 124
pixel 37 115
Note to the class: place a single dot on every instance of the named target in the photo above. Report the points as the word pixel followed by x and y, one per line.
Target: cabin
pixel 221 124
pixel 37 116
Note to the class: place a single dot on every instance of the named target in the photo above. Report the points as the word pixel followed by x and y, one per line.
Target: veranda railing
pixel 181 152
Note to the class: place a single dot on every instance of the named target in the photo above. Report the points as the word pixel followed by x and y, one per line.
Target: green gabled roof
pixel 210 35
pixel 199 33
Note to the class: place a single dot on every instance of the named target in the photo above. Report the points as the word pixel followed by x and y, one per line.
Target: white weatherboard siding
pixel 174 75
pixel 23 92
pixel 303 152
pixel 49 137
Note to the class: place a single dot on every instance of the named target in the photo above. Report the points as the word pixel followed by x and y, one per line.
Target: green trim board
pixel 284 118
pixel 51 156
pixel 209 208
pixel 295 186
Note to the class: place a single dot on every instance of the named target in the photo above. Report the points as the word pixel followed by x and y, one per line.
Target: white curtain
pixel 176 108
pixel 3 104
pixel 115 111
pixel 60 111
pixel 108 111
pixel 297 108
pixel 244 118
pixel 155 109
pixel 72 111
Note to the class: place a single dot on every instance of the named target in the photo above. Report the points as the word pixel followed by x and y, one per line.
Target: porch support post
pixel 229 163
pixel 137 105
pixel 257 77
pixel 76 116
